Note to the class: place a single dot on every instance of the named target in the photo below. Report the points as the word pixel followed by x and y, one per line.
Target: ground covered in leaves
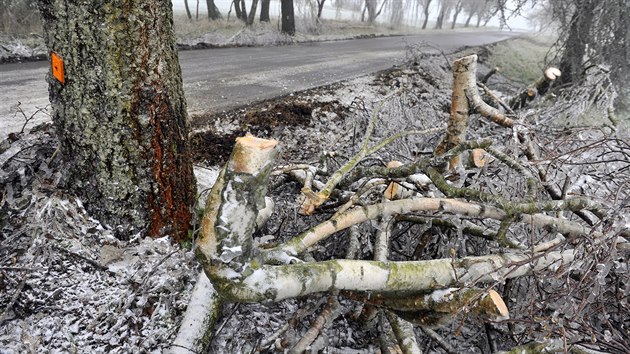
pixel 70 286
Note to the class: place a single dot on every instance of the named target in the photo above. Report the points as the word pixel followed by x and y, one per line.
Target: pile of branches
pixel 512 230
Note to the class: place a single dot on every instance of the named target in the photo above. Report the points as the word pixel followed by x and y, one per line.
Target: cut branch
pixel 274 283
pixel 538 88
pixel 234 203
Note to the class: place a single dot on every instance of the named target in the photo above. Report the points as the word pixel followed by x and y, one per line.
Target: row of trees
pixel 416 12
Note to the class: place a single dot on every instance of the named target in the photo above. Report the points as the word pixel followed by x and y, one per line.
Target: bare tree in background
pixel 187 10
pixel 445 9
pixel 397 12
pixel 264 10
pixel 425 12
pixel 459 6
pixel 473 7
pixel 373 9
pixel 213 10
pixel 288 17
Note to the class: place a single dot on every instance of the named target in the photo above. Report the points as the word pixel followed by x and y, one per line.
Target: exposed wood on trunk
pixel 439 307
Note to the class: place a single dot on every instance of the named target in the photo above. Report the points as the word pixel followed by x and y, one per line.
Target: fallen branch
pixel 196 329
pixel 538 88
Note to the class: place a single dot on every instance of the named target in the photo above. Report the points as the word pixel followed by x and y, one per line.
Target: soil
pixel 213 146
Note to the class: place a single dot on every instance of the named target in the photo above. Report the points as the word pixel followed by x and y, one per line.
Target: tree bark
pixel 288 17
pixel 458 121
pixel 213 10
pixel 468 19
pixel 575 47
pixel 264 11
pixel 120 113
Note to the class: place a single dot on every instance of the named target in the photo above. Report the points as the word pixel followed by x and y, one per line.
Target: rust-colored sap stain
pixel 169 207
pixel 57 67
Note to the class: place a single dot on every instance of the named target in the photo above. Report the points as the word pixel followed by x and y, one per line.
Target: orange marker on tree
pixel 57 67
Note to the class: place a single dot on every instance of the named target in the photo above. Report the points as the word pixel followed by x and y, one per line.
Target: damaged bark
pixel 120 113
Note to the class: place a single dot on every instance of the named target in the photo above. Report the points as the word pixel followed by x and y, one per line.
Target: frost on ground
pixel 70 286
pixel 67 284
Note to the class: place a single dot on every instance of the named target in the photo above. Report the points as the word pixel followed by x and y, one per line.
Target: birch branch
pixel 257 283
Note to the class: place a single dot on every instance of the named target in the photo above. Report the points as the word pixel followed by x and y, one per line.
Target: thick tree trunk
pixel 120 113
pixel 370 6
pixel 264 11
pixel 288 17
pixel 575 48
pixel 213 10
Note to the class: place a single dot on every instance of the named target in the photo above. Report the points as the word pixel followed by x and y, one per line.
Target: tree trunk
pixel 252 13
pixel 469 18
pixel 119 111
pixel 370 6
pixel 426 15
pixel 237 9
pixel 440 19
pixel 320 8
pixel 288 17
pixel 243 11
pixel 458 9
pixel 187 10
pixel 264 11
pixel 572 63
pixel 213 10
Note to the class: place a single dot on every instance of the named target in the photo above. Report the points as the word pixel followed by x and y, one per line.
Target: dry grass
pixel 521 59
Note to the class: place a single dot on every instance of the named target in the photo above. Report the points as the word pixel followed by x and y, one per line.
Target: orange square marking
pixel 57 67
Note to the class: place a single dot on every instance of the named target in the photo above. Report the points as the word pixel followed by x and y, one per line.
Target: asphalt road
pixel 221 79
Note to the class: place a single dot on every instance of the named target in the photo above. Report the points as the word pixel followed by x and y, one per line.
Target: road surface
pixel 221 79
